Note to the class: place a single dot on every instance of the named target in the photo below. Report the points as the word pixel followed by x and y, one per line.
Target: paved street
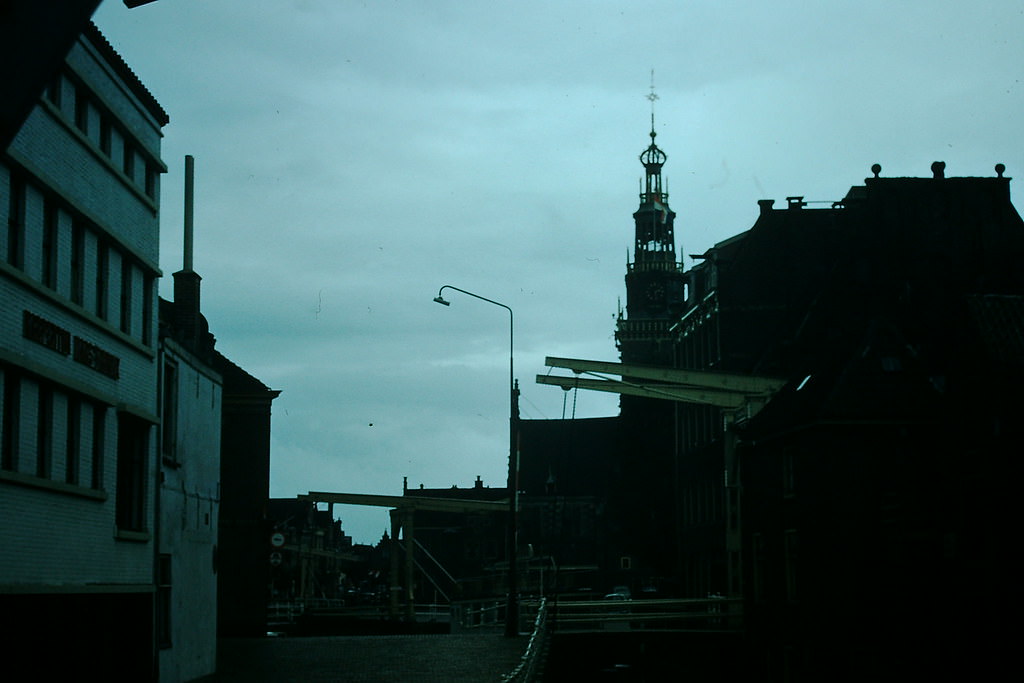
pixel 482 657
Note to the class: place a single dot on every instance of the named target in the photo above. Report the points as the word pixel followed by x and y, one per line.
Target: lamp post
pixel 512 604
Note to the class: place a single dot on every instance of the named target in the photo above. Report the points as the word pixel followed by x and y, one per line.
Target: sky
pixel 353 157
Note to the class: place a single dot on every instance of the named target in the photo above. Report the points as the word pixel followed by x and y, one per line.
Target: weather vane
pixel 652 96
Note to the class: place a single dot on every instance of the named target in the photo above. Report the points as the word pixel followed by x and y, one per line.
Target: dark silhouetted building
pixel 463 552
pixel 876 484
pixel 244 544
pixel 863 514
pixel 310 555
pixel 569 473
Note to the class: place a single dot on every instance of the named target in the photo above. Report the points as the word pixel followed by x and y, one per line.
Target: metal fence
pixel 532 662
pixel 711 614
pixel 474 614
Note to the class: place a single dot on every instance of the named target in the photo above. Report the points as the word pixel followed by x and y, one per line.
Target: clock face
pixel 655 292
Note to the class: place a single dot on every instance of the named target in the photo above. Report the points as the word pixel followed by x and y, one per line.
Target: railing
pixel 438 611
pixel 532 661
pixel 711 614
pixel 670 265
pixel 646 326
pixel 472 614
pixel 283 612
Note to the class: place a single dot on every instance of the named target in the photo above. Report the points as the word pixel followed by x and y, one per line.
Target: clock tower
pixel 655 284
pixel 644 334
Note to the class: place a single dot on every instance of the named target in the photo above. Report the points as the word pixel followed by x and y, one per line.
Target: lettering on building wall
pixel 45 333
pixel 96 358
pixel 56 338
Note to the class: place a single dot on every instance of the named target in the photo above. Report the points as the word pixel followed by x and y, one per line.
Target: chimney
pixel 190 188
pixel 186 281
pixel 939 169
pixel 766 205
pixel 796 202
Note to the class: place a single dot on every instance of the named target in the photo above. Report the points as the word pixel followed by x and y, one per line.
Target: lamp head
pixel 439 299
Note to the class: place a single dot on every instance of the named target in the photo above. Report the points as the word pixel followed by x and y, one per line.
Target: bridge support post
pixel 394 587
pixel 410 546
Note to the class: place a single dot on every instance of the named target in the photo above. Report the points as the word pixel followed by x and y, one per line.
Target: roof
pixel 92 33
pixel 880 379
pixel 237 380
pixel 894 242
pixel 479 492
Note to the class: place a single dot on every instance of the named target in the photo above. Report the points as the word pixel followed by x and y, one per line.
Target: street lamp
pixel 512 605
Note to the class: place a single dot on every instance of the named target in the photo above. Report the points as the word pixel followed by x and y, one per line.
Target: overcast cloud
pixel 352 157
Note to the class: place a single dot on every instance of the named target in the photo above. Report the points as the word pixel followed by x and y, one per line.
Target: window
pixel 73 449
pixel 50 225
pixel 11 421
pixel 169 408
pixel 151 177
pixel 790 550
pixel 16 223
pixel 99 443
pixel 147 309
pixel 891 364
pixel 53 90
pixel 758 566
pixel 128 165
pixel 106 139
pixel 44 433
pixel 732 498
pixel 77 262
pixel 163 601
pixel 132 445
pixel 82 111
pixel 788 474
pixel 102 278
pixel 126 295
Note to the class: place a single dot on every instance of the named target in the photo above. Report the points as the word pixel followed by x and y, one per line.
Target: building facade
pixel 245 529
pixel 463 553
pixel 79 193
pixel 873 534
pixel 191 394
pixel 310 555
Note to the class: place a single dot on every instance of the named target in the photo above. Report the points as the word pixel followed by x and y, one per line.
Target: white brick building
pixel 79 230
pixel 188 496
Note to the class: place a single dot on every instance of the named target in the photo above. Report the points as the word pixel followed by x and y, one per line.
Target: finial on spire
pixel 652 158
pixel 652 96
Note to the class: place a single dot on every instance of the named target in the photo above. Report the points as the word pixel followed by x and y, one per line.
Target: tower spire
pixel 655 243
pixel 655 283
pixel 653 159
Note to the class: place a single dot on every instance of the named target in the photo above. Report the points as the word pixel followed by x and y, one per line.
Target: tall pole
pixel 512 601
pixel 190 166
